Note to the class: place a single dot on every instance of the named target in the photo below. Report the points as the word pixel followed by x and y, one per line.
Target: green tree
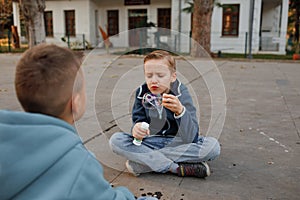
pixel 5 17
pixel 295 19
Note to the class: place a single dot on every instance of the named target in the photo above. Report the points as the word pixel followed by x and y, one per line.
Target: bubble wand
pixel 153 101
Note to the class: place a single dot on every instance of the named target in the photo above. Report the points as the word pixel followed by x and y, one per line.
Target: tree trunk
pixel 201 28
pixel 33 11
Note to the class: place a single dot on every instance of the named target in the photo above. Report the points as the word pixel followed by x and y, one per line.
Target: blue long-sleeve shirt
pixel 42 157
pixel 185 127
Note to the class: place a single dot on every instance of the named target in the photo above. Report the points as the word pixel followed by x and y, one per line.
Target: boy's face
pixel 158 76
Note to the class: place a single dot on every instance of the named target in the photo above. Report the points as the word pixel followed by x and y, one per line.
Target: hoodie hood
pixel 29 145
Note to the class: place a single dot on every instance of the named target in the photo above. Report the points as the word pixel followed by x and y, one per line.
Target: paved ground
pixel 260 137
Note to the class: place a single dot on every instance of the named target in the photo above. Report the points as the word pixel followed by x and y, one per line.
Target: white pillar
pixel 174 15
pixel 181 24
pixel 283 26
pixel 256 26
pixel 16 12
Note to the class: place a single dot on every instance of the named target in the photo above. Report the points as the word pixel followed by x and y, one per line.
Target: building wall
pixel 264 38
pixel 230 43
pixel 284 26
pixel 274 26
pixel 181 25
pixel 93 24
pixel 121 40
pixel 90 14
pixel 82 20
pixel 256 26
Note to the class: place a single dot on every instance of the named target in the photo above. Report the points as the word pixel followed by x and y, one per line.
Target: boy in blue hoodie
pixel 41 154
pixel 172 143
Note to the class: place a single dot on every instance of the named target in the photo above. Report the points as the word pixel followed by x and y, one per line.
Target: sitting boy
pixel 41 154
pixel 172 143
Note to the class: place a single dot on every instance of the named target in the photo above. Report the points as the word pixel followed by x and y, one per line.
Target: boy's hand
pixel 172 103
pixel 138 132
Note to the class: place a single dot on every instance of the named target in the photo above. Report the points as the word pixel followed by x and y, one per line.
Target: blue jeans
pixel 158 152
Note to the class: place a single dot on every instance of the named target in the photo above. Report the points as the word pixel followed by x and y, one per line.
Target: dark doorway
pixel 137 18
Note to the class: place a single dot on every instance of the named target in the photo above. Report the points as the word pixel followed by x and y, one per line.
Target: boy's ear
pixel 173 77
pixel 77 106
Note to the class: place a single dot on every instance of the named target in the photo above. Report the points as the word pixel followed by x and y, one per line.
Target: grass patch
pixel 223 55
pixel 5 49
pixel 258 56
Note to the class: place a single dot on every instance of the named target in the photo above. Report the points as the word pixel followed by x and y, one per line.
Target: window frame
pixel 162 20
pixel 112 28
pixel 234 18
pixel 48 23
pixel 72 31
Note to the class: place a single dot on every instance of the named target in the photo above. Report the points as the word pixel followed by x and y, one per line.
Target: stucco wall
pixel 230 43
pixel 82 19
pixel 89 14
pixel 121 40
pixel 271 20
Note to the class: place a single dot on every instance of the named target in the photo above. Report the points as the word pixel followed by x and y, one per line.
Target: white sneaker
pixel 136 168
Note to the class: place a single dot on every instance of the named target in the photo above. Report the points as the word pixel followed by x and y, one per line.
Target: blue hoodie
pixel 42 157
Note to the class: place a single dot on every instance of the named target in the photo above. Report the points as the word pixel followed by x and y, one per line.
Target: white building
pixel 270 19
pixel 80 19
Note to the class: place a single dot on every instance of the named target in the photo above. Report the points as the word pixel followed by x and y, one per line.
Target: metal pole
pixel 175 43
pixel 83 41
pixel 251 17
pixel 9 41
pixel 68 40
pixel 246 42
pixel 140 41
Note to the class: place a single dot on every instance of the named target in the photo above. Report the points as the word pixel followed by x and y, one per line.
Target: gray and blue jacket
pixel 167 125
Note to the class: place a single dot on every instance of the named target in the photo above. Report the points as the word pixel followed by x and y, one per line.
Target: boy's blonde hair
pixel 160 54
pixel 45 77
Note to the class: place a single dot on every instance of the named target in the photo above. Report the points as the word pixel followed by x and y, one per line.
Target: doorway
pixel 137 18
pixel 270 25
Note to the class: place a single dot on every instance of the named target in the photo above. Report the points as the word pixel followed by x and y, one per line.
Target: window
pixel 231 20
pixel 48 17
pixel 164 18
pixel 112 22
pixel 70 22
